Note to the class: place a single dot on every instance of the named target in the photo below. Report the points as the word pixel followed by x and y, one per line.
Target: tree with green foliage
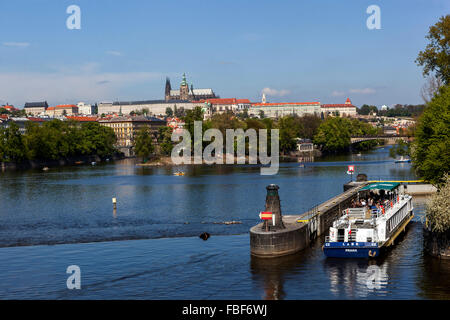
pixel 333 134
pixel 309 124
pixel 179 112
pixel 436 56
pixel 169 112
pixel 261 114
pixel 431 146
pixel 437 208
pixel 289 127
pixel 195 114
pixel 143 144
pixel 401 148
pixel 12 146
pixel 165 140
pixel 55 140
pixel 99 140
pixel 367 109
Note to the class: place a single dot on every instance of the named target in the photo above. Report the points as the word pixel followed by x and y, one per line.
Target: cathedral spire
pixel 184 82
pixel 168 88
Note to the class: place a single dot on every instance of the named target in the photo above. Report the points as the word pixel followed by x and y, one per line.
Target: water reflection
pixel 351 278
pixel 434 278
pixel 272 273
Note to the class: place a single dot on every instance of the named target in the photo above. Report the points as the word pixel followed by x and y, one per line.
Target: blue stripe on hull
pixel 351 250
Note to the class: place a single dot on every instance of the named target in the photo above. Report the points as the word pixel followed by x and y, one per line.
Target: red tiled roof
pixel 219 101
pixel 338 105
pixel 36 119
pixel 283 103
pixel 9 107
pixel 4 116
pixel 82 119
pixel 348 101
pixel 61 106
pixel 223 101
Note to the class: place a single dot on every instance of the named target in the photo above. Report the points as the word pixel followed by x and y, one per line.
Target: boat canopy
pixel 381 186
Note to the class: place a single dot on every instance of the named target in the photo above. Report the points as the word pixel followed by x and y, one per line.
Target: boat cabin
pixel 373 216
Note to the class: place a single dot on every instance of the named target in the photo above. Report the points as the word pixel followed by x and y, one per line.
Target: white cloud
pixel 275 92
pixel 363 91
pixel 114 53
pixel 336 93
pixel 16 44
pixel 69 84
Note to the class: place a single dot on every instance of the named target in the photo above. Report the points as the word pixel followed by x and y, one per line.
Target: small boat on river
pixel 402 160
pixel 364 231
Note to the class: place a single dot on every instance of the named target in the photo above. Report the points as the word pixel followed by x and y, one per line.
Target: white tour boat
pixel 363 231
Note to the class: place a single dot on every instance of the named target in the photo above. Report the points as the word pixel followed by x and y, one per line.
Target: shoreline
pixel 41 164
pixel 167 161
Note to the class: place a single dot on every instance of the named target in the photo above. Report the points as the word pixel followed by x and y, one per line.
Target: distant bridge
pixel 390 139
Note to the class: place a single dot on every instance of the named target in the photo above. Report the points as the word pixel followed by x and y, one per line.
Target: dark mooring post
pixel 273 205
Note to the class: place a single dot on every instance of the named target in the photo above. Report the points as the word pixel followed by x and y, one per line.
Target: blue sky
pixel 292 50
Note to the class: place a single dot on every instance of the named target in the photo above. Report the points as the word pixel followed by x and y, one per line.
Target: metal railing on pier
pixel 311 213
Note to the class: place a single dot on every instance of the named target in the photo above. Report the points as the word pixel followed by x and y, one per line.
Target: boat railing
pixel 340 238
pixel 355 213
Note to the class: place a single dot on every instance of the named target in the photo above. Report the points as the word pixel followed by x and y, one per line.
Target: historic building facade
pixel 126 128
pixel 280 109
pixel 154 107
pixel 62 110
pixel 187 93
pixel 36 108
pixel 346 109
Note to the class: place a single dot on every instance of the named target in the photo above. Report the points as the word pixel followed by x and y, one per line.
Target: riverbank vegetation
pixel 54 140
pixel 143 144
pixel 334 134
pixel 438 219
pixel 431 148
pixel 401 148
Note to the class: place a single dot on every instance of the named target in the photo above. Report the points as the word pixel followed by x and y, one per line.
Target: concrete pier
pixel 293 233
pixel 298 230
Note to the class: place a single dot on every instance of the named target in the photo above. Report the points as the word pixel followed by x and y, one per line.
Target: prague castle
pixel 186 93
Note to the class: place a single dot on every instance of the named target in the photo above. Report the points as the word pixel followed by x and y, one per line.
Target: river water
pixel 149 247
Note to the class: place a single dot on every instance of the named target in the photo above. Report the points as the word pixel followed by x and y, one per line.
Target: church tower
pixel 184 89
pixel 168 88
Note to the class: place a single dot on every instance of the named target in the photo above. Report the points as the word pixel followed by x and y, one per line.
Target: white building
pixel 346 109
pixel 84 108
pixel 276 110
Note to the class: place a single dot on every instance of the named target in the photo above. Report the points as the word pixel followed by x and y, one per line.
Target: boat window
pixel 341 235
